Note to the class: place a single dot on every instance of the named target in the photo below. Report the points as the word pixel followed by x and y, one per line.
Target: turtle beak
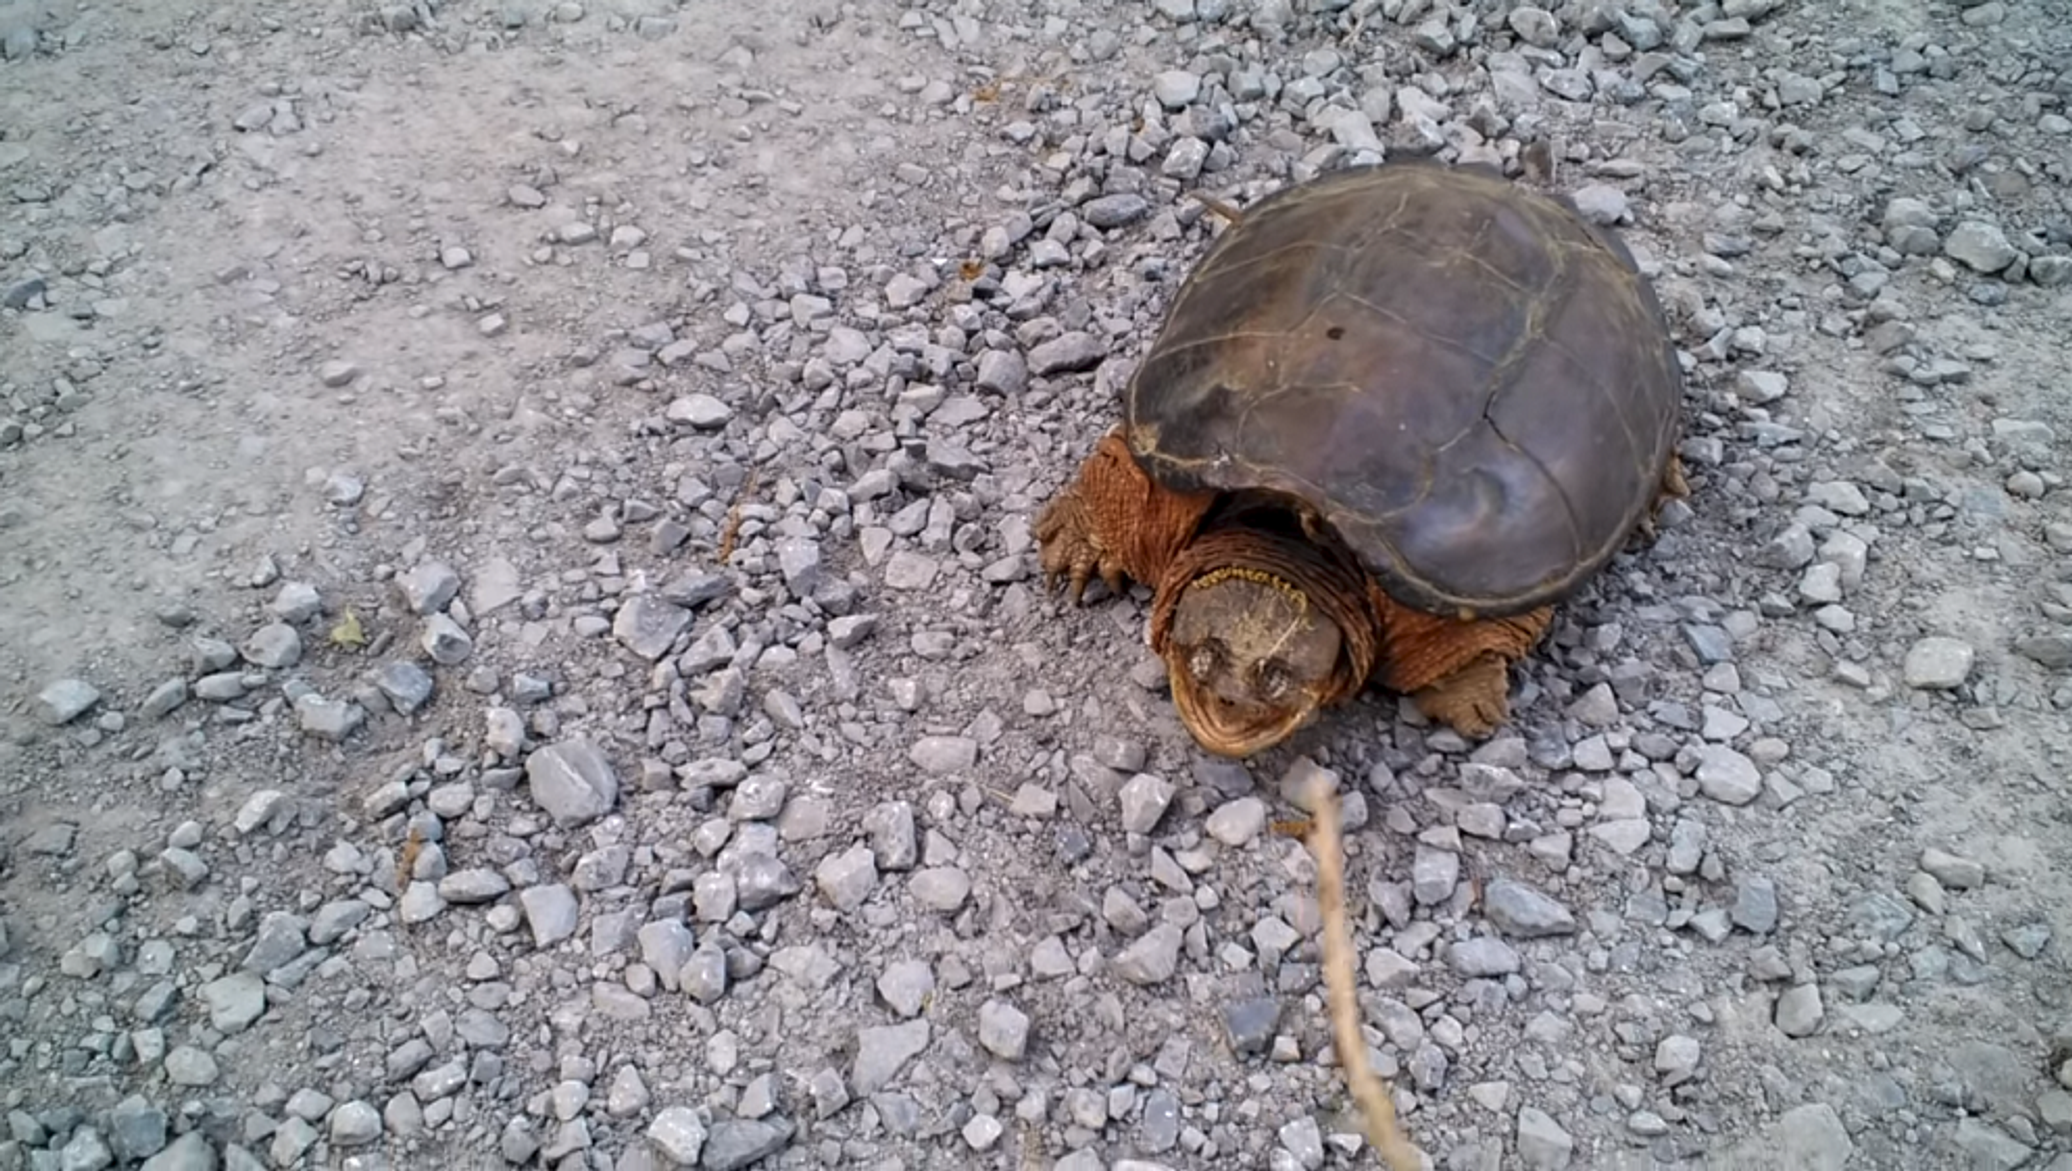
pixel 1230 729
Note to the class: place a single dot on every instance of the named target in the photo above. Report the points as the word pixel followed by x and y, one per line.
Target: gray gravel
pixel 524 643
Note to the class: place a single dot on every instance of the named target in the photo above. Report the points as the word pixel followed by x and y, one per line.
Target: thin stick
pixel 1377 1111
pixel 731 531
pixel 1216 205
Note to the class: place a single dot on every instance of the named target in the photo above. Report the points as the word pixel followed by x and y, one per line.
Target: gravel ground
pixel 520 641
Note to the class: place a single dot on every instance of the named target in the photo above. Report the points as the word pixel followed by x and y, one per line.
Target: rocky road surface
pixel 520 642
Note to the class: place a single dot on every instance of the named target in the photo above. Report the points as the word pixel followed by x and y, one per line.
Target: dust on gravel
pixel 887 859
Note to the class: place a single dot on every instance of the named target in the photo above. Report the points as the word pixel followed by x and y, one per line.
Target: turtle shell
pixel 1471 384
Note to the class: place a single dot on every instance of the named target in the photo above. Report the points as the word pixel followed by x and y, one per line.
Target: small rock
pixel 427 587
pixel 572 781
pixel 1980 246
pixel 1115 211
pixel 1812 1138
pixel 235 1001
pixel 701 411
pixel 1144 800
pixel 1676 1058
pixel 1601 203
pixel 1799 1011
pixel 737 1143
pixel 1003 1029
pixel 2051 651
pixel 446 641
pixel 1838 496
pixel 1953 872
pixel 1002 372
pixel 1938 663
pixel 136 1128
pixel 944 754
pixel 1728 776
pixel 2027 940
pixel 551 912
pixel 164 699
pixel 939 888
pixel 1542 1144
pixel 648 625
pixel 1251 1023
pixel 1237 823
pixel 296 603
pixel 1067 353
pixel 1761 387
pixel 473 886
pixel 1522 912
pixel 883 1050
pixel 678 1134
pixel 1484 955
pixel 1152 958
pixel 274 647
pixel 893 840
pixel 1755 905
pixel 258 810
pixel 343 489
pixel 329 719
pixel 798 558
pixel 66 700
pixel 188 1066
pixel 846 879
pixel 85 1151
pixel 1175 89
pixel 905 986
pixel 52 841
pixel 355 1124
pixel 1985 1145
pixel 407 685
pixel 1433 874
pixel 1623 836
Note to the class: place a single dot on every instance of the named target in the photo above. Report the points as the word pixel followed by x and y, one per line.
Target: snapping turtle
pixel 1394 416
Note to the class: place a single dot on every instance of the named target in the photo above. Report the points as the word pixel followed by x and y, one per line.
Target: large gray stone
pixel 573 782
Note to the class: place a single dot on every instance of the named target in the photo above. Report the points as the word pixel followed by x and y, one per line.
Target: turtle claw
pixel 1474 701
pixel 1675 486
pixel 1072 555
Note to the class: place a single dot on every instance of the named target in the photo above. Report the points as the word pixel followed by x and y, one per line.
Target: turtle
pixel 1395 416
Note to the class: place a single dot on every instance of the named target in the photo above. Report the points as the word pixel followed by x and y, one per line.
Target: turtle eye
pixel 1202 661
pixel 1275 680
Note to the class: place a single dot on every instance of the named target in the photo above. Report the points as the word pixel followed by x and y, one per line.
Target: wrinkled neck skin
pixel 1260 627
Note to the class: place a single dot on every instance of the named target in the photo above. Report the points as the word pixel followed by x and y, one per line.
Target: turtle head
pixel 1251 658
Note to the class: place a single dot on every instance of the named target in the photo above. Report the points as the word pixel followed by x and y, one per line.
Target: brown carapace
pixel 1395 415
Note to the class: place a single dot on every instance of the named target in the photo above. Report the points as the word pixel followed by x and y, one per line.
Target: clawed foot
pixel 1474 701
pixel 1072 553
pixel 1674 487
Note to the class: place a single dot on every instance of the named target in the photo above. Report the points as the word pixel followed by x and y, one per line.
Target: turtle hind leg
pixel 1114 523
pixel 1456 670
pixel 1674 486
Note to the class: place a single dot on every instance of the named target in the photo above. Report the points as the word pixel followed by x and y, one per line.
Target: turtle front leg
pixel 1456 671
pixel 1474 701
pixel 1114 522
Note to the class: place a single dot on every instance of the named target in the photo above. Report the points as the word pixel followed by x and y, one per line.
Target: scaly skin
pixel 1114 522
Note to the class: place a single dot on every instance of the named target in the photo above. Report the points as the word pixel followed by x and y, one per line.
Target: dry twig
pixel 731 531
pixel 1227 211
pixel 1377 1111
pixel 406 859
